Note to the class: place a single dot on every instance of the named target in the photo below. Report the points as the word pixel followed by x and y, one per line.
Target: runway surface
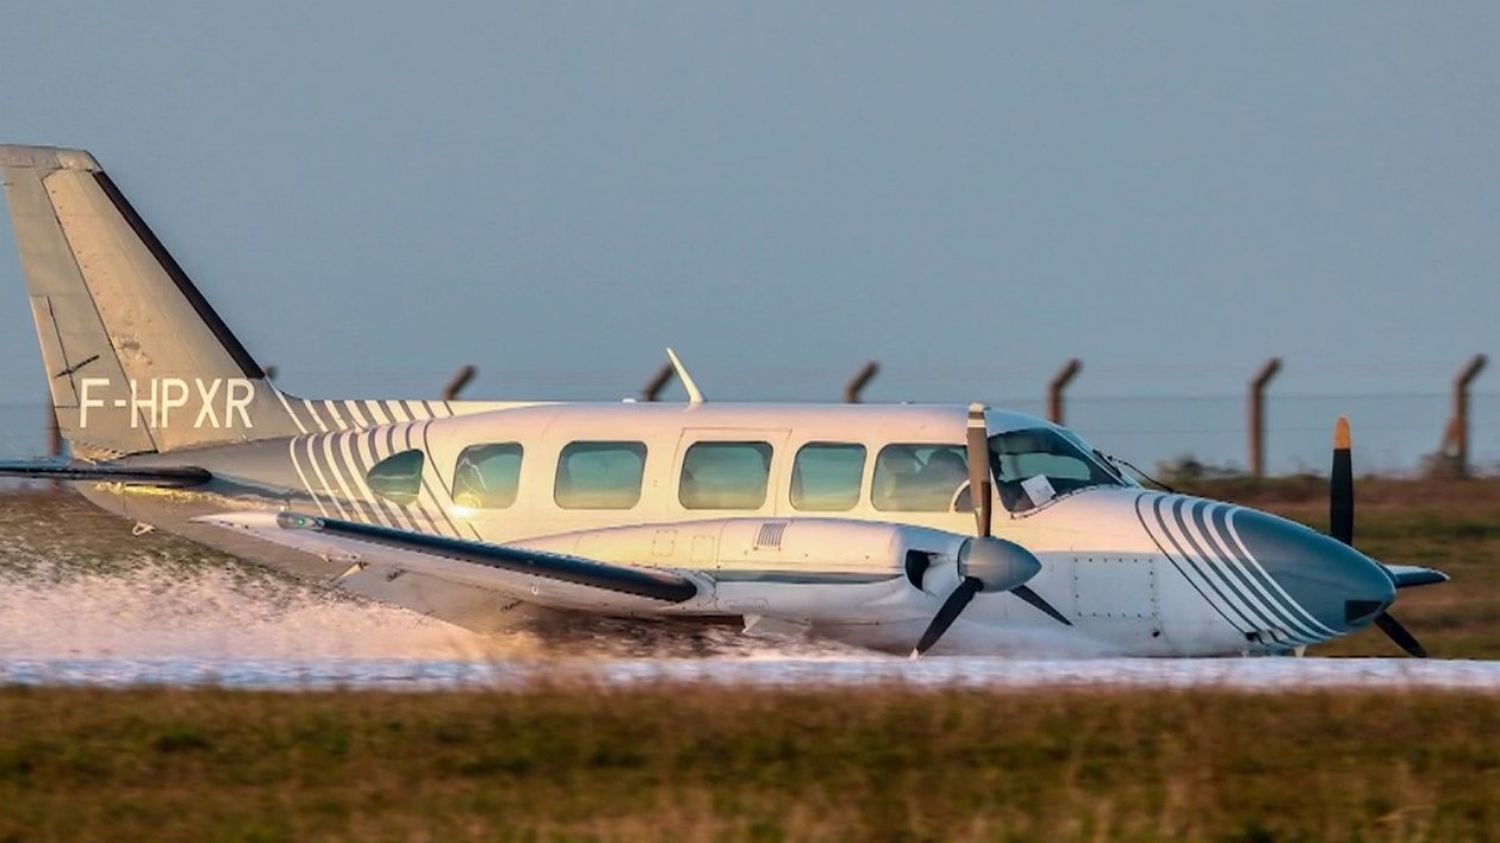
pixel 767 669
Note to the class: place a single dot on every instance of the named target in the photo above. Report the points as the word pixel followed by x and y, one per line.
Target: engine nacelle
pixel 756 544
pixel 804 561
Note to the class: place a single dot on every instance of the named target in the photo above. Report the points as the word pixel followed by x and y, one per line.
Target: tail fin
pixel 136 358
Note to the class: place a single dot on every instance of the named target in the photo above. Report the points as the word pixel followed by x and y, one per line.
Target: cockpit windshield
pixel 1035 465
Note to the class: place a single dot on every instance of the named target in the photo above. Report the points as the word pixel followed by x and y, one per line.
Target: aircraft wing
pixel 1410 576
pixel 544 578
pixel 172 477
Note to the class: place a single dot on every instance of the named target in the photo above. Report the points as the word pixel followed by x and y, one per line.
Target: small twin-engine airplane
pixel 905 528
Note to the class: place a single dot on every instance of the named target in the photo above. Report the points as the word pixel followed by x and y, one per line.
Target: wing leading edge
pixel 473 562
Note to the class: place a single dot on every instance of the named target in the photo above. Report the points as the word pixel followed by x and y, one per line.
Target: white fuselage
pixel 1101 568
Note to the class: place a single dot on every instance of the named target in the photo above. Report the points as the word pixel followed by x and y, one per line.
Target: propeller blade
pixel 1397 633
pixel 1025 593
pixel 1341 527
pixel 980 493
pixel 947 614
pixel 1341 486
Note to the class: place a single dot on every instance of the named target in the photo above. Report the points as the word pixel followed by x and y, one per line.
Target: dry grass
pixel 696 763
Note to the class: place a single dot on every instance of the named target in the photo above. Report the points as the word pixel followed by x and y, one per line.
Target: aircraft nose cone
pixel 1339 586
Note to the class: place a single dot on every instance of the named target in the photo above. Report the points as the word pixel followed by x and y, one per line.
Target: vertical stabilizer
pixel 137 360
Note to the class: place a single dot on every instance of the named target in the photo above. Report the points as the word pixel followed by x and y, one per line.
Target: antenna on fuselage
pixel 695 396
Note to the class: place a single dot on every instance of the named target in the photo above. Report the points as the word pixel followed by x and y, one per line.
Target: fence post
pixel 861 379
pixel 652 390
pixel 1456 437
pixel 1055 388
pixel 458 382
pixel 1258 415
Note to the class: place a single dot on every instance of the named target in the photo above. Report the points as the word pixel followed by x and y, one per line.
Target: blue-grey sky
pixel 372 193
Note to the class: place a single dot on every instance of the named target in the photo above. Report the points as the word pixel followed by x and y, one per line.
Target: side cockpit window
pixel 919 478
pixel 1034 466
pixel 398 477
pixel 600 475
pixel 488 476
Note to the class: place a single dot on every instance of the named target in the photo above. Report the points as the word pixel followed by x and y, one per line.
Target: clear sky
pixel 373 193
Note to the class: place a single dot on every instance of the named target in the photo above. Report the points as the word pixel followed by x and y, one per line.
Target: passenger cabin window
pixel 600 475
pixel 398 477
pixel 826 476
pixel 725 475
pixel 919 478
pixel 487 476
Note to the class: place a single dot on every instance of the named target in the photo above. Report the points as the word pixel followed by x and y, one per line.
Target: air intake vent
pixel 770 535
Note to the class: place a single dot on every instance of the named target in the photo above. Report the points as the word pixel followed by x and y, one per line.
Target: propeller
pixel 1397 633
pixel 1341 485
pixel 985 563
pixel 1341 526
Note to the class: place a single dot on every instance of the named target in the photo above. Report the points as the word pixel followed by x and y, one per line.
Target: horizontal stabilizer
pixel 171 477
pixel 1411 576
